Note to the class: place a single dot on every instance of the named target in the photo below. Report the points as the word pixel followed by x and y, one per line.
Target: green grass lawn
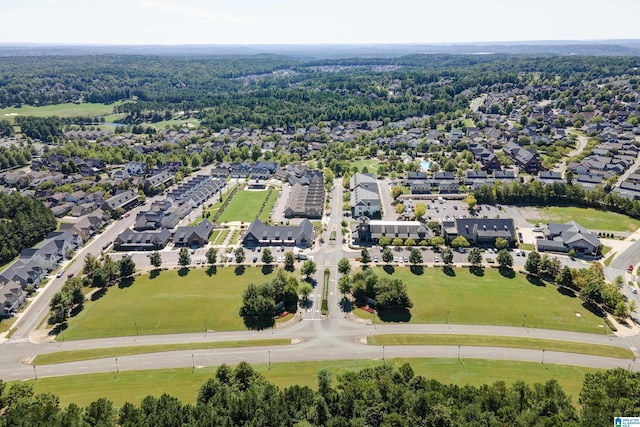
pixel 167 304
pixel 6 324
pixel 61 110
pixel 101 353
pixel 371 164
pixel 498 341
pixel 492 299
pixel 592 219
pixel 270 203
pixel 244 206
pixel 214 235
pixel 184 384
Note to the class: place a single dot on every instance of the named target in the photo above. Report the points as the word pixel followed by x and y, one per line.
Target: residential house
pixel 126 200
pixel 193 236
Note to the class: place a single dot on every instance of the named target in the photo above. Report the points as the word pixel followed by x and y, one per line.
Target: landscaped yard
pixel 167 304
pixel 61 110
pixel 492 299
pixel 592 219
pixel 244 206
pixel 133 386
pixel 371 164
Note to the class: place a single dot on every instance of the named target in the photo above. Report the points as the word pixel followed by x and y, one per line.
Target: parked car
pixel 70 275
pixel 630 268
pixel 60 273
pixel 255 259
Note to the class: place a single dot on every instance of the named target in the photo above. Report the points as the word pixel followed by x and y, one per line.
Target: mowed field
pixel 491 299
pixel 61 110
pixel 133 386
pixel 589 218
pixel 244 206
pixel 167 304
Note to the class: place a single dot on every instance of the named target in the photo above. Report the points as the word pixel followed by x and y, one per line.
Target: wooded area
pixel 380 396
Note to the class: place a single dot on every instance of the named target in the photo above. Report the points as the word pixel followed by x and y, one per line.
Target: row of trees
pixel 99 273
pixel 378 396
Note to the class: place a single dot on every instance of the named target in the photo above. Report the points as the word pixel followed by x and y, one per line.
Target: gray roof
pixel 279 233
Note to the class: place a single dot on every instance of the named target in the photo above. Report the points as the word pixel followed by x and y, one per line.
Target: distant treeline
pixel 278 91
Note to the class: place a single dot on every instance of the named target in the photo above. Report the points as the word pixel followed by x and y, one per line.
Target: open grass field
pixel 61 110
pixel 166 304
pixel 371 164
pixel 101 353
pixel 592 219
pixel 184 384
pixel 507 342
pixel 244 206
pixel 491 299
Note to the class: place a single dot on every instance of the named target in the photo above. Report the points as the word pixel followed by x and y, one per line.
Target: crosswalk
pixel 17 340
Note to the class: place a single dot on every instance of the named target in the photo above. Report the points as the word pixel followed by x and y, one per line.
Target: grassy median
pixel 500 341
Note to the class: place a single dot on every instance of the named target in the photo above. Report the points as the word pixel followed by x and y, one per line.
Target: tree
pixel 420 210
pixel 308 268
pixel 471 201
pixel 155 259
pixel 183 257
pixel 127 267
pixel 415 257
pixel 289 260
pixel 475 257
pixel 622 310
pixel 396 192
pixel 447 256
pixel 387 255
pixel 305 290
pixel 267 256
pixel 344 266
pixel 365 256
pixel 212 256
pixel 239 255
pixel 460 242
pixel 384 241
pixel 501 243
pixel 504 258
pixel 345 285
pixel 409 242
pixel 565 278
pixel 91 264
pixel 436 241
pixel 399 208
pixel 532 265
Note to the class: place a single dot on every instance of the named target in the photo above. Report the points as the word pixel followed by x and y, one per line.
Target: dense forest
pixel 277 91
pixel 24 222
pixel 380 396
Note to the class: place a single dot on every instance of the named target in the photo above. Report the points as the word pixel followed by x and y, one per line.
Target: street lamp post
pixel 383 353
pixel 543 356
pixel 35 372
pixel 117 367
pixel 193 364
pixel 269 351
pixel 524 318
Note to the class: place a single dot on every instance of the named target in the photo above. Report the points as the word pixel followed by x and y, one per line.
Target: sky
pixel 176 22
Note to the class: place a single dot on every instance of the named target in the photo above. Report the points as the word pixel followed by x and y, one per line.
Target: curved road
pixel 332 338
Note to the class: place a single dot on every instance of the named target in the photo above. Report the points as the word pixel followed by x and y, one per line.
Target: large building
pixel 365 198
pixel 370 231
pixel 568 236
pixel 306 199
pixel 260 234
pixel 480 231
